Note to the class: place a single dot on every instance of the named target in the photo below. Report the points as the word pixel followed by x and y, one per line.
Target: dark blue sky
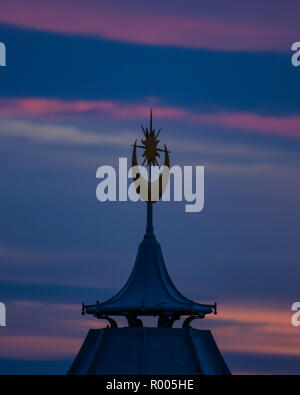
pixel 72 99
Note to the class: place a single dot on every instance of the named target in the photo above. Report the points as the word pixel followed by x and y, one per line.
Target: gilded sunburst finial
pixel 150 145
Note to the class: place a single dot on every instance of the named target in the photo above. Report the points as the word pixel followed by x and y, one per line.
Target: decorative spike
pixel 143 130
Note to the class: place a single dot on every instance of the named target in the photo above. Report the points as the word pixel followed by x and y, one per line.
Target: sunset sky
pixel 80 78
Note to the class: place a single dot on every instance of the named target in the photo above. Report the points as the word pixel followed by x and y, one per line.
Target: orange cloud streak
pixel 247 329
pixel 258 330
pixel 38 347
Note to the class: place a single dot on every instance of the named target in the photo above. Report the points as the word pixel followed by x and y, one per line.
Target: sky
pixel 80 78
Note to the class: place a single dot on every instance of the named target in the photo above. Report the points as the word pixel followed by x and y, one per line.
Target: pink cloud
pixel 38 347
pixel 243 328
pixel 283 126
pixel 257 330
pixel 151 28
pixel 287 126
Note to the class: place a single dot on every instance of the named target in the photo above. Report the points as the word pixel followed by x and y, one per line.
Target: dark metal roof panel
pixel 149 288
pixel 149 351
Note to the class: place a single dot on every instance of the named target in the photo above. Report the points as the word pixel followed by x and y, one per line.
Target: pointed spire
pixel 149 289
pixel 149 228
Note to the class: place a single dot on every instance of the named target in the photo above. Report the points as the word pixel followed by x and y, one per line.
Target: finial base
pixel 149 228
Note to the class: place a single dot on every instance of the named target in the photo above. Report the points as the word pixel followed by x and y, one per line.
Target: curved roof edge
pixel 149 290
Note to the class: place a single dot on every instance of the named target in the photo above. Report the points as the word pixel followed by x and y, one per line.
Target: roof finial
pixel 151 153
